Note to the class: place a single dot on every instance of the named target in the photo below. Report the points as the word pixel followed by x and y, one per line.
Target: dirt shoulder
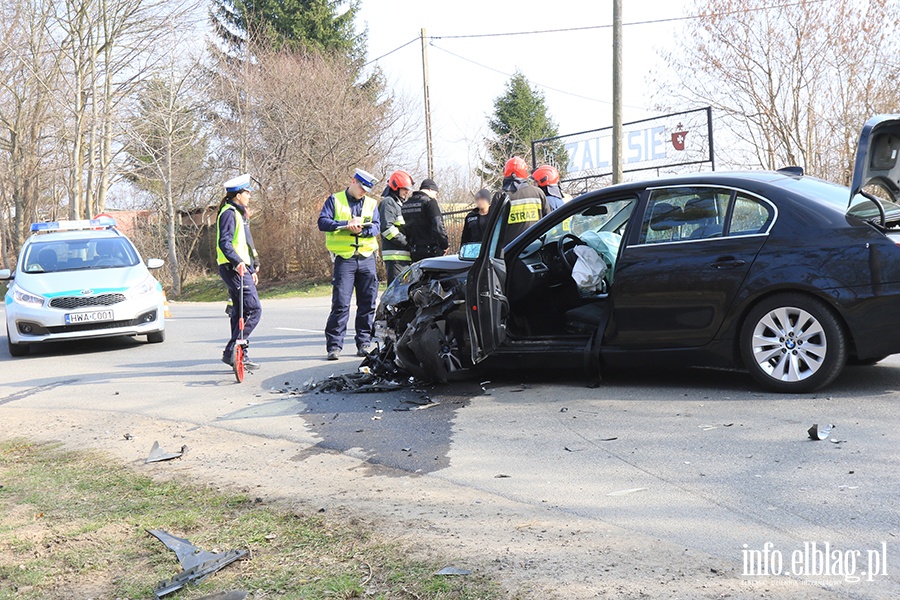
pixel 534 552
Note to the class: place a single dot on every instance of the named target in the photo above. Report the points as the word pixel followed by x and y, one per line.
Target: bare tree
pixel 304 124
pixel 167 146
pixel 105 49
pixel 792 84
pixel 26 144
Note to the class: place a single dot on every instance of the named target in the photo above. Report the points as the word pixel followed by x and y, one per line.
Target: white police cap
pixel 239 183
pixel 365 179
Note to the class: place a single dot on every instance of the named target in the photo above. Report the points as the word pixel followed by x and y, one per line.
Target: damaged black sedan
pixel 781 274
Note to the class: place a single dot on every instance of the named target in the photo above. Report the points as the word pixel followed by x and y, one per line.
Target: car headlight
pixel 148 286
pixel 27 298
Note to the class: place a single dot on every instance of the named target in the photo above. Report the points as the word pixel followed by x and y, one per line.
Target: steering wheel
pixel 561 248
pixel 106 262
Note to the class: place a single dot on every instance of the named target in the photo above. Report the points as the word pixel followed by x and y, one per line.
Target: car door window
pixel 686 213
pixel 750 216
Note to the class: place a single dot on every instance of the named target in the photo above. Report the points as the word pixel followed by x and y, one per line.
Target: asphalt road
pixel 702 459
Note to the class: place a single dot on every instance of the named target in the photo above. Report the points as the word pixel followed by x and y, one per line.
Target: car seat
pixel 48 260
pixel 666 217
pixel 702 213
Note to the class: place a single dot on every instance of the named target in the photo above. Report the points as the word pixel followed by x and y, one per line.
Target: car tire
pixel 157 337
pixel 16 349
pixel 793 343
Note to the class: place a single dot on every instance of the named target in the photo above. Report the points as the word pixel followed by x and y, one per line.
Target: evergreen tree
pixel 520 116
pixel 317 25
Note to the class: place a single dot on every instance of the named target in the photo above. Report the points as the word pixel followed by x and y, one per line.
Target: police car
pixel 81 279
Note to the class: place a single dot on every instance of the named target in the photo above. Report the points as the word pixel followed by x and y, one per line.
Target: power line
pixel 650 22
pixel 401 47
pixel 505 74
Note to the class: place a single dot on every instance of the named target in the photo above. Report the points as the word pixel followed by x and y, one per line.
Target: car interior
pixel 544 298
pixel 71 255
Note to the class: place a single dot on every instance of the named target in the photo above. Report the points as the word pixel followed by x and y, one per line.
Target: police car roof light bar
pixel 101 223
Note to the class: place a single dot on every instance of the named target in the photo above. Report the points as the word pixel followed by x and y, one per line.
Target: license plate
pixel 89 317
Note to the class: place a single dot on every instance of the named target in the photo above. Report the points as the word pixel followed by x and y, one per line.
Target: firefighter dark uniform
pixel 354 263
pixel 527 203
pixel 394 247
pixel 424 226
pixel 235 247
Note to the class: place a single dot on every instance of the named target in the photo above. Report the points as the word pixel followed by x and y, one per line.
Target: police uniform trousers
pixel 252 307
pixel 356 273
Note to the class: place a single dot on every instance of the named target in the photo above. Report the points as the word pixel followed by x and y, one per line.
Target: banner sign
pixel 673 140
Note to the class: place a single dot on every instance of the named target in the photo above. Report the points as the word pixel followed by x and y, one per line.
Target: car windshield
pixel 611 216
pixel 78 254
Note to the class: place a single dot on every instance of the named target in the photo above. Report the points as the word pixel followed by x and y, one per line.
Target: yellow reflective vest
pixel 343 243
pixel 240 237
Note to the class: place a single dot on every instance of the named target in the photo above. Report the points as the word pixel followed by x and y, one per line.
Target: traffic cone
pixel 166 314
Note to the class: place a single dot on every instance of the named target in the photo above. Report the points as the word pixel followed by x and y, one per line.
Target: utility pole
pixel 427 107
pixel 617 92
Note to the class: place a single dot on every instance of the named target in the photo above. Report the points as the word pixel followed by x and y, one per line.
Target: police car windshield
pixel 75 255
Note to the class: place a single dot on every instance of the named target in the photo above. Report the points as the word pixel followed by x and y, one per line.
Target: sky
pixel 573 69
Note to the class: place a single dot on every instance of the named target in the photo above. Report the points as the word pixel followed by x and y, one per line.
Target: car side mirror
pixel 5 274
pixel 155 263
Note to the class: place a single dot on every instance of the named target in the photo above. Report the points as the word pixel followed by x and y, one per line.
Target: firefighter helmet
pixel 516 167
pixel 400 179
pixel 545 175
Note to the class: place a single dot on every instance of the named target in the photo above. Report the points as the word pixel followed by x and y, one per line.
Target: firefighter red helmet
pixel 400 179
pixel 515 167
pixel 545 175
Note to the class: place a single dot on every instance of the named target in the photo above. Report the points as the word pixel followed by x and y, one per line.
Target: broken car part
pixel 197 564
pixel 819 433
pixel 157 454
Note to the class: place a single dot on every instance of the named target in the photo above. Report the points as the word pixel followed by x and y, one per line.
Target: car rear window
pixel 73 255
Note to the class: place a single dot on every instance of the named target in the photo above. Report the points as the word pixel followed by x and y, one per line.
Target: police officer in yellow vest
pixel 351 225
pixel 237 260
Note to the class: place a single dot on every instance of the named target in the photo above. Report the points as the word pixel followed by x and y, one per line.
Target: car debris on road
pixel 157 454
pixel 197 564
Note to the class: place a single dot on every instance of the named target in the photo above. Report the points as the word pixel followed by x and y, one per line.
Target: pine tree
pixel 316 25
pixel 520 116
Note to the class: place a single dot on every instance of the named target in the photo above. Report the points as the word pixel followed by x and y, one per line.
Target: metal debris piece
pixel 453 571
pixel 233 595
pixel 196 563
pixel 502 476
pixel 626 492
pixel 609 439
pixel 820 433
pixel 157 454
pixel 414 406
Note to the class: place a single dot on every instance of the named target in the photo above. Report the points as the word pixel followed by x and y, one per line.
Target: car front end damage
pixel 419 322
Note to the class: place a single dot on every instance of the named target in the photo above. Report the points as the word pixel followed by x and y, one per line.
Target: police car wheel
pixel 157 337
pixel 16 349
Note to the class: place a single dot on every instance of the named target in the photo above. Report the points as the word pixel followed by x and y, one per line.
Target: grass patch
pixel 73 526
pixel 212 289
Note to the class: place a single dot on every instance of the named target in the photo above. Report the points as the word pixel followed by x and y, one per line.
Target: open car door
pixel 487 307
pixel 878 157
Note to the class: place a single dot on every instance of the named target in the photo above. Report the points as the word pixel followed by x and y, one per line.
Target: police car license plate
pixel 89 317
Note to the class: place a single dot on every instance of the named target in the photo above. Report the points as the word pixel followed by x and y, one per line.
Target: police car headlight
pixel 27 298
pixel 148 286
